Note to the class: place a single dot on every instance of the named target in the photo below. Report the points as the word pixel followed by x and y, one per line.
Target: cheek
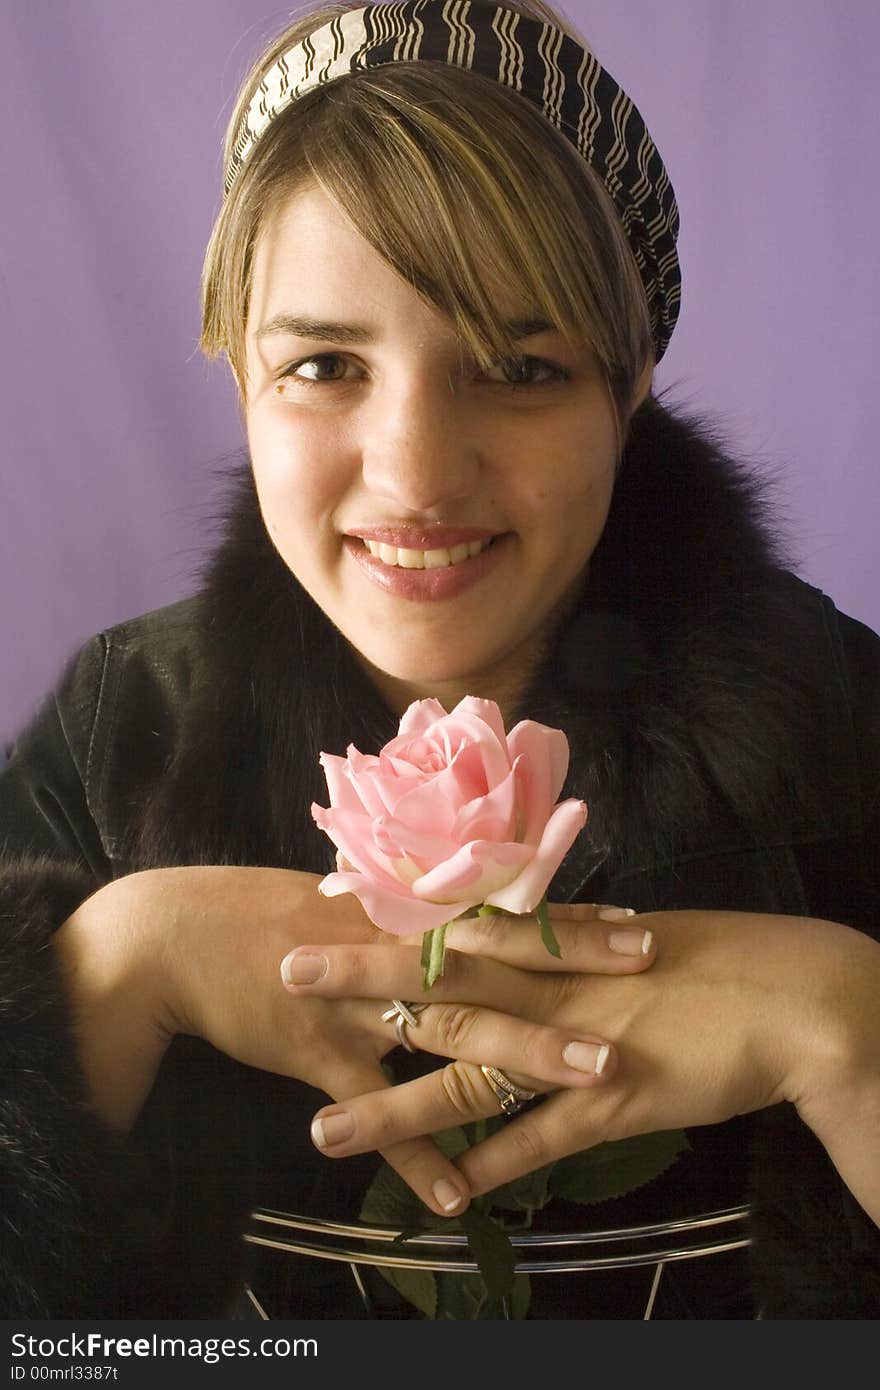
pixel 300 466
pixel 572 488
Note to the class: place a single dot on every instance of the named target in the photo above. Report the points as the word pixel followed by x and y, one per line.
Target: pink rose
pixel 452 814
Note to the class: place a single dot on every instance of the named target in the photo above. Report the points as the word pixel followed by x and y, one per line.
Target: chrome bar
pixel 632 1260
pixel 649 1306
pixel 319 1226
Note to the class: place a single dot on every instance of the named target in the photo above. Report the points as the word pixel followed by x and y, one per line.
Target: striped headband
pixel 536 59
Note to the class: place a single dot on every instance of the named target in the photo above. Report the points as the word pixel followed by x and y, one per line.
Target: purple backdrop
pixel 766 114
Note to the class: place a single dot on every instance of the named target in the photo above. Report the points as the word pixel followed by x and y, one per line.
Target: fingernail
pixel 630 943
pixel 615 914
pixel 446 1195
pixel 586 1056
pixel 332 1129
pixel 303 969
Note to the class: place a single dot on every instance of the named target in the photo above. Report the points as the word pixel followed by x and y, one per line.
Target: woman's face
pixel 439 514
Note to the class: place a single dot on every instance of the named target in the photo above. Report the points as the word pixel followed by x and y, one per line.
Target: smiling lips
pixel 425 559
pixel 424 564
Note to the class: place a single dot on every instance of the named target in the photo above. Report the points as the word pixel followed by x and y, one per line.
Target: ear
pixel 643 384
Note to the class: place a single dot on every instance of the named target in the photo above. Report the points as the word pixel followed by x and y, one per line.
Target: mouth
pixel 435 564
pixel 437 558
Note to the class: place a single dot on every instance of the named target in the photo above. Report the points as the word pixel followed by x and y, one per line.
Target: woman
pixel 416 379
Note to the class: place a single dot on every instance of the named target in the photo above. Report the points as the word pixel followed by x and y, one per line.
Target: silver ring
pixel 403 1014
pixel 510 1096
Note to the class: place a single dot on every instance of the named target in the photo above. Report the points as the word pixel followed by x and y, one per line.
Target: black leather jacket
pixel 751 783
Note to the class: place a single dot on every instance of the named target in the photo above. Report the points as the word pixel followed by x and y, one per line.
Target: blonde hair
pixel 455 181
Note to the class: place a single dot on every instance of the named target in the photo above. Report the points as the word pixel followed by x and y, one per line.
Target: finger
pixel 490 959
pixel 546 1057
pixel 584 912
pixel 565 1123
pixel 415 1157
pixel 395 972
pixel 439 1185
pixel 454 1095
pixel 588 942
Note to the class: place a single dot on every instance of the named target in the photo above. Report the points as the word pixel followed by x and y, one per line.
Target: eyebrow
pixel 301 326
pixel 326 331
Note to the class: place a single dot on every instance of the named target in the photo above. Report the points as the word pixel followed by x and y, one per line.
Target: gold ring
pixel 403 1014
pixel 511 1097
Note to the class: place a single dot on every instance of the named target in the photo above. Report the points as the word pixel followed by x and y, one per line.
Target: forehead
pixel 308 240
pixel 310 254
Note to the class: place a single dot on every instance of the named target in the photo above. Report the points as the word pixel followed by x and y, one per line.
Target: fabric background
pixel 764 111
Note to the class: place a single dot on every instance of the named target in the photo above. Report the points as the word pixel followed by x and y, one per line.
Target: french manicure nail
pixel 630 943
pixel 299 969
pixel 586 1056
pixel 615 914
pixel 332 1129
pixel 446 1194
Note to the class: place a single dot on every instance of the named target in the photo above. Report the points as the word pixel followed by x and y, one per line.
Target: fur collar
pixel 684 681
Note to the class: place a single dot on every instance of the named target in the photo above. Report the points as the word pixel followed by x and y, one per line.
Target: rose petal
pixel 380 790
pixel 359 762
pixel 490 817
pixel 339 786
pixel 474 871
pixel 414 762
pixel 534 805
pixel 486 711
pixel 548 747
pixel 400 915
pixel 345 791
pixel 397 839
pixel 469 770
pixel 364 772
pixel 468 730
pixel 419 717
pixel 353 835
pixel 431 749
pixel 431 805
pixel 525 892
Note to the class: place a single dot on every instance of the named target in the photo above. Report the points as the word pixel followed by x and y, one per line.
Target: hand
pixel 740 1011
pixel 197 950
pixel 187 950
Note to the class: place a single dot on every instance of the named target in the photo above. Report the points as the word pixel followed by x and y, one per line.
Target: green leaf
pixel 528 1193
pixel 417 1286
pixel 463 1297
pixel 390 1202
pixel 517 1305
pixel 547 935
pixel 433 954
pixel 489 1245
pixel 521 1296
pixel 610 1170
pixel 460 1297
pixel 425 960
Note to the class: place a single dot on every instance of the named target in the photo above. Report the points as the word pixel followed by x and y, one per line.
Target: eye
pixel 323 367
pixel 527 371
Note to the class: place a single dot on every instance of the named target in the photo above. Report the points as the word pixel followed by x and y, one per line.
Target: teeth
pixel 435 559
pixel 424 559
pixel 411 559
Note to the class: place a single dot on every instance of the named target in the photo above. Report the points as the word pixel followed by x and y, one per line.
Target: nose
pixel 416 450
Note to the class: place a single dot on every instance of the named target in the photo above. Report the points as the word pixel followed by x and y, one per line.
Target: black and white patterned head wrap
pixel 538 60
